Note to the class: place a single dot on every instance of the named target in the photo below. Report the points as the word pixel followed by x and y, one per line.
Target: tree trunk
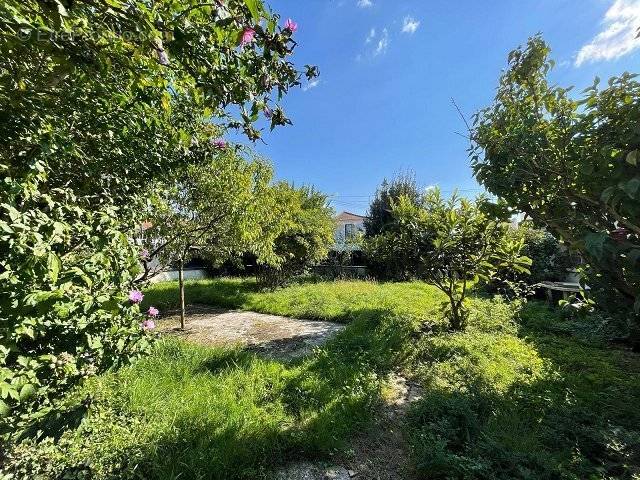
pixel 181 283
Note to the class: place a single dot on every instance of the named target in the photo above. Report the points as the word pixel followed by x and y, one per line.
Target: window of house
pixel 349 230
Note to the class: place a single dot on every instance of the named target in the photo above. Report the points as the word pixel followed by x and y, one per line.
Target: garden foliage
pixel 302 225
pixel 569 162
pixel 450 243
pixel 99 102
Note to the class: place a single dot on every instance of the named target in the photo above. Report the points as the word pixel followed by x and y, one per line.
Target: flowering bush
pixel 100 103
pixel 63 315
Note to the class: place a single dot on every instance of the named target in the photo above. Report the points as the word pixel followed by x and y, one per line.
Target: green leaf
pixel 54 264
pixel 632 157
pixel 594 243
pixel 27 391
pixel 632 187
pixel 4 409
pixel 252 5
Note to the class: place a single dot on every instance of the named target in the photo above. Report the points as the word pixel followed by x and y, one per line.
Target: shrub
pixel 570 164
pixel 449 243
pixel 379 220
pixel 64 316
pixel 303 228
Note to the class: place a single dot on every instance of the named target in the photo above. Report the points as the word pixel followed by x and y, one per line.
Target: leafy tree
pixel 449 243
pixel 570 164
pixel 379 216
pixel 380 220
pixel 304 232
pixel 99 101
pixel 214 210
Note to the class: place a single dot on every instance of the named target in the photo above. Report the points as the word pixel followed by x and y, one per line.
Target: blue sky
pixel 389 69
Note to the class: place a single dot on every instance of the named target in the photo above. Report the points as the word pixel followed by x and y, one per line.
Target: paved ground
pixel 269 334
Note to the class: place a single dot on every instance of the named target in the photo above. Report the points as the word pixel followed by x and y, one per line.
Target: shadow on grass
pixel 223 293
pixel 309 409
pixel 574 414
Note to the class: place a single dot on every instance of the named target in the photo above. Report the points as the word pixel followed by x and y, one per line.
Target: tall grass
pixel 191 412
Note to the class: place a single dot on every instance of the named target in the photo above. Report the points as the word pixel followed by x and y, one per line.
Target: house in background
pixel 348 227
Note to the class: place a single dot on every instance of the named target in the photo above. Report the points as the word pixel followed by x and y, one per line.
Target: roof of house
pixel 348 216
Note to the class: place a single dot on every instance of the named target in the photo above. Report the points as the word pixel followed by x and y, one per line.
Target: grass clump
pixel 523 402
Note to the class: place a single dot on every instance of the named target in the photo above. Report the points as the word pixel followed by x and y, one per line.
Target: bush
pixel 550 260
pixel 63 314
pixel 305 229
pixel 379 220
pixel 449 243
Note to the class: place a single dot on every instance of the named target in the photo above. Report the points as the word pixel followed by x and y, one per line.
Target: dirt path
pixel 272 335
pixel 379 454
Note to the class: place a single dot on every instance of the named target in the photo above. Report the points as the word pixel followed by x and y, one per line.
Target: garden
pixel 117 164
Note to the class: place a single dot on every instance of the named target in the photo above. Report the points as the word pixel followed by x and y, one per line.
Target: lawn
pixel 514 396
pixel 340 301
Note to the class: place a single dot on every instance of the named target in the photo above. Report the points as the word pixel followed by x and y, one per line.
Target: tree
pixel 379 216
pixel 380 220
pixel 302 235
pixel 216 208
pixel 99 101
pixel 449 243
pixel 569 164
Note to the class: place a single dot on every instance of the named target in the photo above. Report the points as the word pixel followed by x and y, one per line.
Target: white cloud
pixel 383 43
pixel 370 36
pixel 410 25
pixel 311 84
pixel 619 34
pixel 365 3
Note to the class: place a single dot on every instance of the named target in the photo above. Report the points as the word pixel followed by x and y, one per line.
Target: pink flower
pixel 148 325
pixel 268 112
pixel 144 254
pixel 153 312
pixel 290 25
pixel 247 36
pixel 135 296
pixel 219 143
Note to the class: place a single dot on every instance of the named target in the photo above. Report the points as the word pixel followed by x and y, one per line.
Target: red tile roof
pixel 348 216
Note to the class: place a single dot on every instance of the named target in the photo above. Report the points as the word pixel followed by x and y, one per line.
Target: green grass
pixel 521 402
pixel 534 397
pixel 340 301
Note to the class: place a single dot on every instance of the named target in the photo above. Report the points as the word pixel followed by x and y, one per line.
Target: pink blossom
pixel 290 25
pixel 144 254
pixel 135 296
pixel 148 325
pixel 219 143
pixel 247 36
pixel 153 312
pixel 268 112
